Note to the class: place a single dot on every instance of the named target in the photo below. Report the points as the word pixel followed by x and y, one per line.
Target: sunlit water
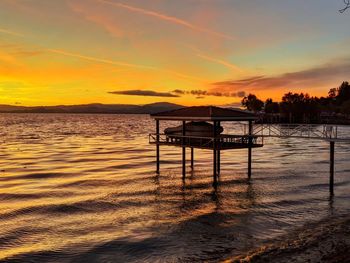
pixel 78 188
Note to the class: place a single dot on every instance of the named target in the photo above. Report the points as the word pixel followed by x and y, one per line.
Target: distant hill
pixel 94 108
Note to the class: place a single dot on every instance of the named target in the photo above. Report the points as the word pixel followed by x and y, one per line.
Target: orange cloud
pixel 167 18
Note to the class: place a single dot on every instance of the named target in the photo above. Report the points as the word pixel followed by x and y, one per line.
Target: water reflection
pixel 77 188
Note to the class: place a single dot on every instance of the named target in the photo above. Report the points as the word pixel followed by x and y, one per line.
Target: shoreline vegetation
pixel 302 108
pixel 327 241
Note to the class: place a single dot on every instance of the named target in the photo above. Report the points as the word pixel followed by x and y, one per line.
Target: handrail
pixel 311 131
pixel 204 141
pixel 260 131
pixel 221 136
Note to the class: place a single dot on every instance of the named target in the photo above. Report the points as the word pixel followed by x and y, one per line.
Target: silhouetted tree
pixel 345 108
pixel 271 106
pixel 252 103
pixel 332 93
pixel 343 92
pixel 293 104
pixel 347 5
pixel 300 107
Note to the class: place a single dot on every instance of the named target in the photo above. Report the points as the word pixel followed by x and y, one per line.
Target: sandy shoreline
pixel 324 241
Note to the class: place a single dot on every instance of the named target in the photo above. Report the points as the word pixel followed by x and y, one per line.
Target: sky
pixel 189 52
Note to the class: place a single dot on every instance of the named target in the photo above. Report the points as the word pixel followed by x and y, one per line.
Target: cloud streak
pixel 148 93
pixel 104 61
pixel 164 17
pixel 122 64
pixel 310 78
pixel 198 94
pixel 203 93
pixel 221 62
pixel 199 53
pixel 9 32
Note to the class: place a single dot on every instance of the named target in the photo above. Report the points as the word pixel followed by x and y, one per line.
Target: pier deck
pixel 222 142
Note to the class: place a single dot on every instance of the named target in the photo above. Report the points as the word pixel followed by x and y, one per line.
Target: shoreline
pixel 146 113
pixel 327 240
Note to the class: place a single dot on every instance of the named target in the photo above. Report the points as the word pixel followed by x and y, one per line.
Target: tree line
pixel 301 107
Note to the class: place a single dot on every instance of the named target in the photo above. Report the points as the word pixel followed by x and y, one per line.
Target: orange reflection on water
pixel 83 188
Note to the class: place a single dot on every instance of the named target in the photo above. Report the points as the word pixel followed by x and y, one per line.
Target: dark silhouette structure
pixel 303 108
pixel 197 132
pixel 212 141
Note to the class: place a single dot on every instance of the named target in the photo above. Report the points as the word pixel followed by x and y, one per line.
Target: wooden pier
pixel 324 132
pixel 252 137
pixel 215 142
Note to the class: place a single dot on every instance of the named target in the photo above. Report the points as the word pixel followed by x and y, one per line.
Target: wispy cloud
pixel 123 64
pixel 164 17
pixel 181 75
pixel 148 93
pixel 221 62
pixel 104 61
pixel 27 53
pixel 100 19
pixel 9 32
pixel 18 50
pixel 201 54
pixel 328 74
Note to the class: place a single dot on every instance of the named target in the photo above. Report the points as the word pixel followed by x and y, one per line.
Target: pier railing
pixel 221 141
pixel 312 131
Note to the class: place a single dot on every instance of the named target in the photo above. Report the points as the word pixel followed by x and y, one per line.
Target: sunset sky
pixel 190 52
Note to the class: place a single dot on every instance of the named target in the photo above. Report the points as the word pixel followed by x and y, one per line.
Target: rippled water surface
pixel 78 188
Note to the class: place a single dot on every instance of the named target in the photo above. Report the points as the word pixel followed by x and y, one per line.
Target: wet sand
pixel 324 241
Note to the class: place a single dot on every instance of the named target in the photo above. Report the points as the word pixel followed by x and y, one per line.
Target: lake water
pixel 79 188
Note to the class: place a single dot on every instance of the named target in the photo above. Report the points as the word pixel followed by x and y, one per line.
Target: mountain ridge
pixel 97 108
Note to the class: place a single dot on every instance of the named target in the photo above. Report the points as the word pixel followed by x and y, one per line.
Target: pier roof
pixel 205 113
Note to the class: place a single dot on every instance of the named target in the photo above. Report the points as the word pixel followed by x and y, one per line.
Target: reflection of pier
pixel 252 137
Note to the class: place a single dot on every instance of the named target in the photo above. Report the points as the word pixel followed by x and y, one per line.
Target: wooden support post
pixel 219 161
pixel 157 145
pixel 183 150
pixel 192 158
pixel 331 177
pixel 214 154
pixel 218 153
pixel 250 140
